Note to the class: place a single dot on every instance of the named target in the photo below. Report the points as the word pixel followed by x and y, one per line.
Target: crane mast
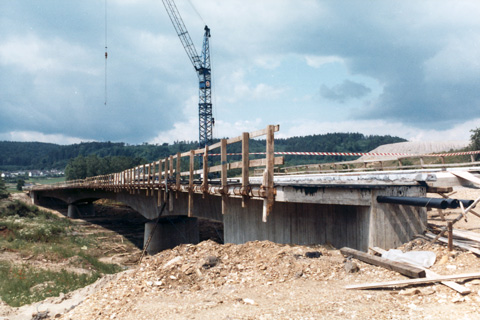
pixel 203 69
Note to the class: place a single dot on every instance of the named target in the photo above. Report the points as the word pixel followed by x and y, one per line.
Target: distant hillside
pixel 418 147
pixel 37 155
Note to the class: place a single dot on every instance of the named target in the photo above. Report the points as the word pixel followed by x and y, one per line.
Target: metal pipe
pixel 466 203
pixel 415 201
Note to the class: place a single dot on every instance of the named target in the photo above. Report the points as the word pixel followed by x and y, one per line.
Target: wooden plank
pixel 396 283
pixel 402 268
pixel 234 140
pixel 439 189
pixel 263 162
pixel 470 235
pixel 215 145
pixel 467 176
pixel 265 131
pixel 430 274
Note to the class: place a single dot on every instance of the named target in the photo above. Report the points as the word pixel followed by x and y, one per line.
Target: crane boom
pixel 202 67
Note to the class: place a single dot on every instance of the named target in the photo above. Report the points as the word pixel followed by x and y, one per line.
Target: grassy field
pixel 28 234
pixel 46 180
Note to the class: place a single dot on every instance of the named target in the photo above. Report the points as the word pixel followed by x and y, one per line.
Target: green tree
pixel 20 184
pixel 3 189
pixel 475 141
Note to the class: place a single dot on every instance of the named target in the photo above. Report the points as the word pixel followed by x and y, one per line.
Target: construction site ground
pixel 265 280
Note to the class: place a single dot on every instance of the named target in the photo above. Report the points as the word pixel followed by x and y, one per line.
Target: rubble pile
pixel 209 265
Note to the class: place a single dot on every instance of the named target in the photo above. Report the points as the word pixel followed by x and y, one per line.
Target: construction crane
pixel 203 69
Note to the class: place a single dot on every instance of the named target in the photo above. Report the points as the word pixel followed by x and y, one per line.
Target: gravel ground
pixel 265 280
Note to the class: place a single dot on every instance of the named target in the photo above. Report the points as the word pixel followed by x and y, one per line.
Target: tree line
pixel 97 158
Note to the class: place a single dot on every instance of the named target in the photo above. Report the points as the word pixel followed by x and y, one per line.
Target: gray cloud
pixel 424 55
pixel 344 91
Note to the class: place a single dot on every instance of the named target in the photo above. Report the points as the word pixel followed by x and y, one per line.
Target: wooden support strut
pixel 223 159
pixel 458 218
pixel 190 184
pixel 205 173
pixel 245 167
pixel 268 175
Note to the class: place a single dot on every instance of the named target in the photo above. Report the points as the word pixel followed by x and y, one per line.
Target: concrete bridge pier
pixel 170 232
pixel 75 211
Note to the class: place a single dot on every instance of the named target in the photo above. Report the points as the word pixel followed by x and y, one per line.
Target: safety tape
pixel 355 154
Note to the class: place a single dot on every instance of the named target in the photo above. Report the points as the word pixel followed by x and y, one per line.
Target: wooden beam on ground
pixel 402 268
pixel 470 235
pixel 430 274
pixel 397 283
pixel 455 243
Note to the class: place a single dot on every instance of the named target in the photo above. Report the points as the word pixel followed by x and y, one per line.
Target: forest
pixel 94 158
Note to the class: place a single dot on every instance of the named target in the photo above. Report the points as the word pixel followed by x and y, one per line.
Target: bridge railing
pixel 166 175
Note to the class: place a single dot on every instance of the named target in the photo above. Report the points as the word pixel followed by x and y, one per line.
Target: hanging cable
pixel 106 53
pixel 214 95
pixel 196 11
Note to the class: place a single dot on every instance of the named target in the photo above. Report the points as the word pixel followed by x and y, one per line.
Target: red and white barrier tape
pixel 354 154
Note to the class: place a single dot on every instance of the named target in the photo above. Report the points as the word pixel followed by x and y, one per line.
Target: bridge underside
pixel 340 215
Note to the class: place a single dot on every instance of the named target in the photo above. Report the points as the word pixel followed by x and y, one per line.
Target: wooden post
pixel 170 198
pixel 205 172
pixel 421 162
pixel 166 180
pixel 472 158
pixel 177 173
pixel 450 236
pixel 153 176
pixel 245 166
pixel 268 181
pixel 223 159
pixel 190 184
pixel 159 200
pixel 149 178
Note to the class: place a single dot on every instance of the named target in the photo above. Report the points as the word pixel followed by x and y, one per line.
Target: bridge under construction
pixel 358 209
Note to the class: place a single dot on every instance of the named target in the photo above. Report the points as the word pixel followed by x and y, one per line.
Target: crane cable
pixel 106 54
pixel 196 11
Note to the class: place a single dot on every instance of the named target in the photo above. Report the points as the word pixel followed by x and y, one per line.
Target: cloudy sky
pixel 404 68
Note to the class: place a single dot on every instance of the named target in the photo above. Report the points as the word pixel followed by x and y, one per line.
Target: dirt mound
pixel 264 280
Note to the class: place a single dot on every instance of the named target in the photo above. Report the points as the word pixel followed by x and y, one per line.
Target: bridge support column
pixel 73 211
pixel 170 232
pixel 77 210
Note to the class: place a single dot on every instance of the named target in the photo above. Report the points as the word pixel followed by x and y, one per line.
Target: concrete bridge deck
pixel 339 209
